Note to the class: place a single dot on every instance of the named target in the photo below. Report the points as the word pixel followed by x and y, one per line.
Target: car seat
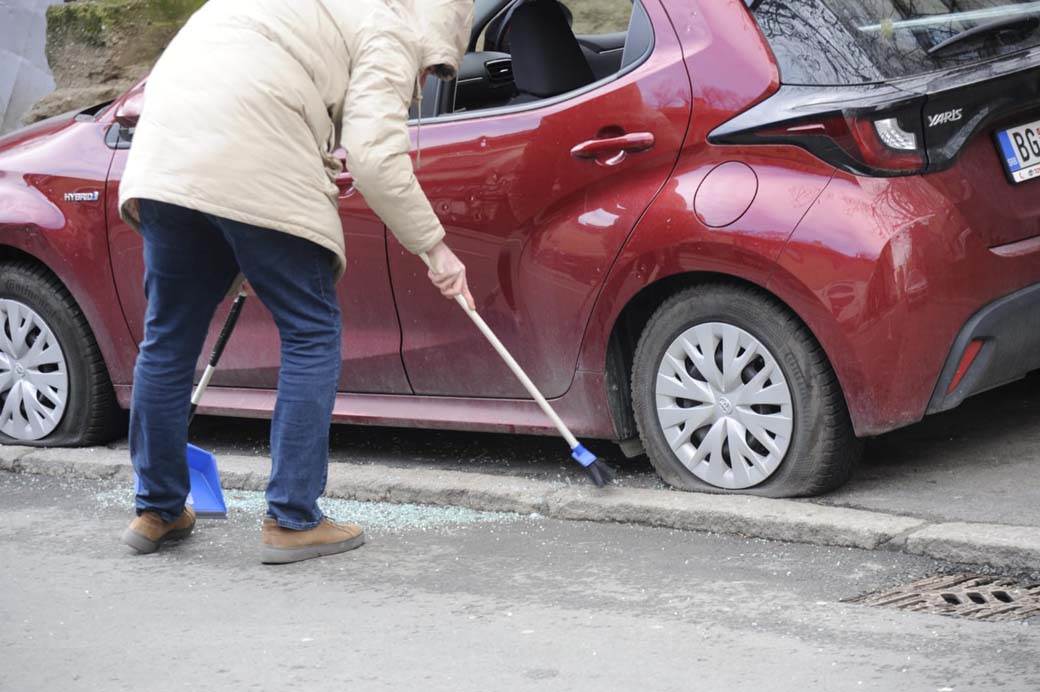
pixel 547 59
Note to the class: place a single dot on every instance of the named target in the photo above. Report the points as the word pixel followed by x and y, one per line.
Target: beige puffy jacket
pixel 243 109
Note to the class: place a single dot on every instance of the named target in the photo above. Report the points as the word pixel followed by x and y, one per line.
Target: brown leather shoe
pixel 279 546
pixel 148 531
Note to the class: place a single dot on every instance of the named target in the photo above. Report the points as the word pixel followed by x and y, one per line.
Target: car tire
pixel 74 404
pixel 779 404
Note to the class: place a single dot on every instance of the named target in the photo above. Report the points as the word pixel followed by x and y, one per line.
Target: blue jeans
pixel 191 260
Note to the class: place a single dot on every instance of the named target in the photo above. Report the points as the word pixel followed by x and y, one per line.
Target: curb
pixel 796 521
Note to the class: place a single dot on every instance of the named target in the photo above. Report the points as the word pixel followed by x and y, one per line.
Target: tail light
pixel 887 143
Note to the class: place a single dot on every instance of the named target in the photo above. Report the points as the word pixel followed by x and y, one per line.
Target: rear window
pixel 837 42
pixel 593 17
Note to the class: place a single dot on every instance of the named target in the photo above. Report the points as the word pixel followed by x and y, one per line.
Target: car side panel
pixel 36 171
pixel 672 240
pixel 537 228
pixel 730 69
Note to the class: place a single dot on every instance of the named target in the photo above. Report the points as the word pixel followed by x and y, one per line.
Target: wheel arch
pixel 631 321
pixel 113 337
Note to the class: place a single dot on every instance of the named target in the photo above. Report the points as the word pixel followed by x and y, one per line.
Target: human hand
pixel 240 285
pixel 448 274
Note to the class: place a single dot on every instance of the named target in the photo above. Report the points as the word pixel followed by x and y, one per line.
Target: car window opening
pixel 538 51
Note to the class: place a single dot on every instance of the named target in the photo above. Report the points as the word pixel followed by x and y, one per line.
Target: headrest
pixel 547 59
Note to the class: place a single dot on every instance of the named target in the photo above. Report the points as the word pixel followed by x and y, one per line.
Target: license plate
pixel 1020 150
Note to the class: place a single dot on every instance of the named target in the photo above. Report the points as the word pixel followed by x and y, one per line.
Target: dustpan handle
pixel 218 351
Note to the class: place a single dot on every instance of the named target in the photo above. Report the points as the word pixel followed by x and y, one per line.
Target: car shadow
pixel 971 452
pixel 978 462
pixel 527 455
pixel 992 419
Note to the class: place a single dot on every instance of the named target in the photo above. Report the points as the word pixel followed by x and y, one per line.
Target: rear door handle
pixel 344 181
pixel 610 151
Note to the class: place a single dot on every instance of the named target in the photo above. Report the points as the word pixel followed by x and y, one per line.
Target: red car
pixel 744 234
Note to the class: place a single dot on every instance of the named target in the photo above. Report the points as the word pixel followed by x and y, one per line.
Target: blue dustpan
pixel 205 495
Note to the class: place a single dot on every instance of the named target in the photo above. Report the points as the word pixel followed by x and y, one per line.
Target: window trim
pixel 553 100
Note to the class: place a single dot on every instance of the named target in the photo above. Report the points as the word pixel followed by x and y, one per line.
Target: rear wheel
pixel 54 388
pixel 733 394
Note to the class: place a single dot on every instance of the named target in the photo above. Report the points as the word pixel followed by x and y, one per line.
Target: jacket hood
pixel 444 26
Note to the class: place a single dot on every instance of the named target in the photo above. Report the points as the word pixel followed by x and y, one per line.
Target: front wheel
pixel 732 394
pixel 54 387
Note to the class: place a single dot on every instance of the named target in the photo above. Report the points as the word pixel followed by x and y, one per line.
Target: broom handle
pixel 218 351
pixel 514 366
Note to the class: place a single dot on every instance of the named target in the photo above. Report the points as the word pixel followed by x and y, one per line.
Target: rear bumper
pixel 1009 332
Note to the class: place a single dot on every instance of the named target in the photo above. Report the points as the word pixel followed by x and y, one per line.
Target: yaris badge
pixel 950 116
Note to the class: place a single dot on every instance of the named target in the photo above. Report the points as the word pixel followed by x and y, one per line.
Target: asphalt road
pixel 449 599
pixel 977 463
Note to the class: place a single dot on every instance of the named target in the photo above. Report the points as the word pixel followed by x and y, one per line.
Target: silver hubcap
pixel 724 405
pixel 34 381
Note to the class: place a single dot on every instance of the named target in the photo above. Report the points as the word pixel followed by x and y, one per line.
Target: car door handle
pixel 610 151
pixel 345 183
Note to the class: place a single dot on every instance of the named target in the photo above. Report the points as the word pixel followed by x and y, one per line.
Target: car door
pixel 371 333
pixel 537 223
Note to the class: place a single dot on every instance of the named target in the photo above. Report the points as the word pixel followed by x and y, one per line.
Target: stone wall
pixel 99 48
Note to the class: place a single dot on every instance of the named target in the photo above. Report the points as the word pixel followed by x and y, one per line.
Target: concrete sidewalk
pixel 979 463
pixel 1004 546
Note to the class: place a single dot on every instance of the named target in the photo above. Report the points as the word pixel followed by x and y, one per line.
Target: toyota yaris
pixel 740 236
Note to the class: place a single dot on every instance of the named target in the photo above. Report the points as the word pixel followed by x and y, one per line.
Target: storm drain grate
pixel 972 596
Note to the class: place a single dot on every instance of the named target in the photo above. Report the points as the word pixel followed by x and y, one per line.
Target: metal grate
pixel 972 596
